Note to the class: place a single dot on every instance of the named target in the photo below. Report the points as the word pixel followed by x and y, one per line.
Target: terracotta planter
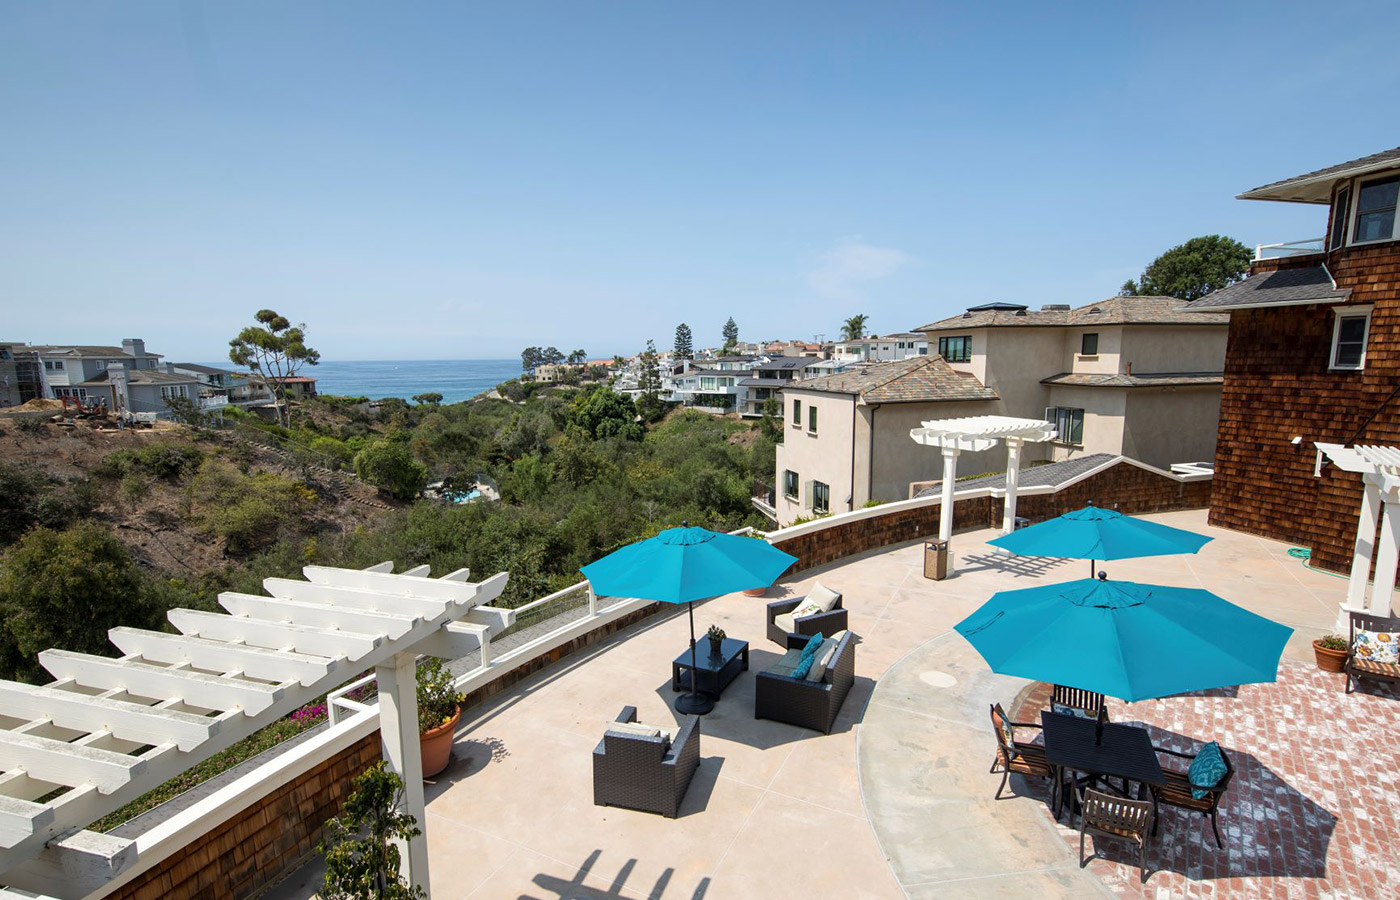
pixel 756 592
pixel 436 746
pixel 1330 660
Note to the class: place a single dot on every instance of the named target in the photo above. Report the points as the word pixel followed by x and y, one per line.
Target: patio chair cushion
pixel 1008 731
pixel 1206 770
pixel 787 622
pixel 823 596
pixel 809 652
pixel 635 728
pixel 1381 647
pixel 785 665
pixel 822 658
pixel 1390 670
pixel 1075 711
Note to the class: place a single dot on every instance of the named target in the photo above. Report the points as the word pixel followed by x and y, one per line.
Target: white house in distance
pixel 1132 376
pixel 882 349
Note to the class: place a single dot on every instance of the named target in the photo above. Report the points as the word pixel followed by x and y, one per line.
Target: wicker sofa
pixel 797 701
pixel 645 773
pixel 827 623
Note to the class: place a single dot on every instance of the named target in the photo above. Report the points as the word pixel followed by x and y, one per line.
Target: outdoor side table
pixel 1125 751
pixel 714 672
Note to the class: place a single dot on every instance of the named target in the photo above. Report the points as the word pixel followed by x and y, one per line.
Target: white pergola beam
pixel 21 818
pixel 352 598
pixel 272 635
pixel 257 662
pixel 127 721
pixel 455 640
pixel 144 680
pixel 319 615
pixel 65 763
pixel 393 585
pixel 422 571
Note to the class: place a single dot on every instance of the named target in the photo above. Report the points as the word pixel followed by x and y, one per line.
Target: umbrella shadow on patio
pixel 554 887
pixel 1270 829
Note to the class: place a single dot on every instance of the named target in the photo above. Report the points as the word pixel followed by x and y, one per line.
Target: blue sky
pixel 456 181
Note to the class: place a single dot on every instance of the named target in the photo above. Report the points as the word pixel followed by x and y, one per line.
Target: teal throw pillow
pixel 809 655
pixel 1206 770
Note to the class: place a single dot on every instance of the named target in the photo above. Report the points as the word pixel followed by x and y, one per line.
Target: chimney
pixel 134 347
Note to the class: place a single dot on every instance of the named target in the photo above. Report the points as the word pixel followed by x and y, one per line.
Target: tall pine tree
pixel 683 348
pixel 731 333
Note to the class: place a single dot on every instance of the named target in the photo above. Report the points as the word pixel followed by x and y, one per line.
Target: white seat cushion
pixel 785 665
pixel 823 596
pixel 787 622
pixel 822 659
pixel 634 728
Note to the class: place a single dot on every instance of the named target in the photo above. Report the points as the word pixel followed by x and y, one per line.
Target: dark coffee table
pixel 1125 751
pixel 714 672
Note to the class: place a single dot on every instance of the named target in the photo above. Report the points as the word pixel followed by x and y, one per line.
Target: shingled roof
pixel 1173 379
pixel 1150 310
pixel 916 379
pixel 1316 187
pixel 1284 287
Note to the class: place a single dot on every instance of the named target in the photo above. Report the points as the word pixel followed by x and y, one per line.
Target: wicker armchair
pixel 645 773
pixel 1110 816
pixel 1357 669
pixel 829 622
pixel 1016 756
pixel 808 704
pixel 1178 787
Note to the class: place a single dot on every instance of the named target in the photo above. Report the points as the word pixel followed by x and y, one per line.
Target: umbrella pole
pixel 694 703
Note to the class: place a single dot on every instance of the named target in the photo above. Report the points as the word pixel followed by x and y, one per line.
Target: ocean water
pixel 455 379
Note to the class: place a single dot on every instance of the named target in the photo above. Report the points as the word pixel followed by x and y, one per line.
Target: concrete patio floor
pixel 777 810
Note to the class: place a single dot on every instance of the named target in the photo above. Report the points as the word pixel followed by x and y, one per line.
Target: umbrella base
pixel 694 704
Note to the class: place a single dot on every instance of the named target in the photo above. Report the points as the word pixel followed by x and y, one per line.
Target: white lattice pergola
pixel 1379 468
pixel 974 434
pixel 108 730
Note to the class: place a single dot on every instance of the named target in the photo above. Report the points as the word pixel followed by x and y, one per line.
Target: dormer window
pixel 1375 210
pixel 956 349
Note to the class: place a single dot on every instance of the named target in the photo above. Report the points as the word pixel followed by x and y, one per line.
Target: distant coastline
pixel 455 379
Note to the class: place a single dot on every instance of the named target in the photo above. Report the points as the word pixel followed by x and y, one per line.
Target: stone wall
pixel 1278 386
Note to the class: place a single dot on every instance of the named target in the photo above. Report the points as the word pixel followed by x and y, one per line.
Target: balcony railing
pixel 1289 248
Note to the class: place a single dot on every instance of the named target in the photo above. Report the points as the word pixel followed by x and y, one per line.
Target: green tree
pixel 1193 269
pixel 772 419
pixel 432 398
pixel 730 333
pixel 649 381
pixel 550 356
pixel 683 348
pixel 390 466
pixel 360 849
pixel 577 358
pixel 853 329
pixel 529 358
pixel 274 349
pixel 603 413
pixel 65 589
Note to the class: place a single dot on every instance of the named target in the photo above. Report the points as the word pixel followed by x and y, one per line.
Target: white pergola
pixel 975 434
pixel 108 730
pixel 1379 468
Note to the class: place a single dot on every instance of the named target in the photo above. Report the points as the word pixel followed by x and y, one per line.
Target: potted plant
pixel 1331 653
pixel 362 857
pixel 438 714
pixel 716 637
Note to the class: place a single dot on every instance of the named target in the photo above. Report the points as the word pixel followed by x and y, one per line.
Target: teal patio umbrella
pixel 1092 533
pixel 1126 640
pixel 682 565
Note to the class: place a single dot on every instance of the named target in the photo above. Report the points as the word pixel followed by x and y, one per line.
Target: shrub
pixel 1333 642
pixel 166 462
pixel 248 512
pixel 28 497
pixel 389 466
pixel 362 843
pixel 437 695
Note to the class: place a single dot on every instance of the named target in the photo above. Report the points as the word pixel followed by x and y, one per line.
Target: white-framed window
pixel 1341 213
pixel 821 498
pixel 1351 328
pixel 923 349
pixel 170 391
pixel 1089 343
pixel 1068 422
pixel 53 365
pixel 1374 212
pixel 75 393
pixel 790 483
pixel 812 419
pixel 957 348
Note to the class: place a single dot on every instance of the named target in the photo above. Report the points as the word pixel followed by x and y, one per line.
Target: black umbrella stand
pixel 694 703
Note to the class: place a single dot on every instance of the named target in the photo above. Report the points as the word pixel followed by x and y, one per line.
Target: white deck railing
pixel 1289 248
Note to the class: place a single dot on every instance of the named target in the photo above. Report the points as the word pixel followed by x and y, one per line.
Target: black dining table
pixel 1124 751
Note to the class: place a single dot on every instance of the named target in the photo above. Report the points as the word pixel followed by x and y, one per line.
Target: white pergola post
pixel 1387 557
pixel 1365 549
pixel 592 602
pixel 398 732
pixel 950 477
pixel 1013 478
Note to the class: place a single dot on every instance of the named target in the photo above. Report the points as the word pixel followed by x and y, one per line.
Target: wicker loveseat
pixel 645 773
pixel 797 701
pixel 829 622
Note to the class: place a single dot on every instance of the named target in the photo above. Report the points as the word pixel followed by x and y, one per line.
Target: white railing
pixel 338 704
pixel 1289 248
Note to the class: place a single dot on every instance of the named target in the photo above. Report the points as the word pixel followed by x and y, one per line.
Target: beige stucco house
pixel 846 436
pixel 1132 376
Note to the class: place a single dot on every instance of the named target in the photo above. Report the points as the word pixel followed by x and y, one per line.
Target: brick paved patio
pixel 1312 810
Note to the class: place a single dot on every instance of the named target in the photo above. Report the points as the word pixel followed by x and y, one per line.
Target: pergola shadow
pixel 1016 566
pixel 553 887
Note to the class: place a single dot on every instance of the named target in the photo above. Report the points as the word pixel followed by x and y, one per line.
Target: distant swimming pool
pixel 462 496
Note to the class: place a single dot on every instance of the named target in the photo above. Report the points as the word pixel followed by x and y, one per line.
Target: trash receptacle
pixel 1021 522
pixel 936 560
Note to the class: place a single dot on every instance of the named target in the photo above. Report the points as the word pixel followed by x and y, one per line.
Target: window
pixel 923 350
pixel 956 349
pixel 1089 343
pixel 1349 334
pixel 171 391
pixel 53 365
pixel 821 497
pixel 812 419
pixel 790 484
pixel 1375 209
pixel 75 393
pixel 1068 422
pixel 1341 207
pixel 797 414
